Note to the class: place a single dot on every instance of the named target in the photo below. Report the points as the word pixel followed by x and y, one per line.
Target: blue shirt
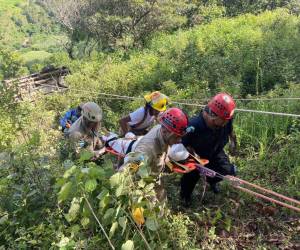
pixel 70 117
pixel 207 142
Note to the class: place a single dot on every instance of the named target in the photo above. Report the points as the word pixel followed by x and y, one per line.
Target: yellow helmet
pixel 157 100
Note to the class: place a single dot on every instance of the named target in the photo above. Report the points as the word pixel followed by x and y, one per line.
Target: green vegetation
pixel 26 27
pixel 50 202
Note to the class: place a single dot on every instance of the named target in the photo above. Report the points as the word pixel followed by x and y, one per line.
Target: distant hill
pixel 27 28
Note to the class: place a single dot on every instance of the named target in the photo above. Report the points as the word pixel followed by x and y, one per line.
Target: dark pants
pixel 220 163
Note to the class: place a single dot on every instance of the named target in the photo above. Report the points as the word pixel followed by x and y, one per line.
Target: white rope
pixel 252 99
pixel 187 104
pixel 195 105
pixel 268 112
pixel 246 110
pixel 268 99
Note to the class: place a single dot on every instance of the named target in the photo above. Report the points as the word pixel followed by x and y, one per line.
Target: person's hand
pixel 99 153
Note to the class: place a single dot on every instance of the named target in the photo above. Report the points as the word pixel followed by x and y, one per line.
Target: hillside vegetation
pixel 49 200
pixel 27 30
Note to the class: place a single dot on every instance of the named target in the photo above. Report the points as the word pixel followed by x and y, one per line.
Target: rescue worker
pixel 172 126
pixel 213 129
pixel 70 117
pixel 84 132
pixel 139 121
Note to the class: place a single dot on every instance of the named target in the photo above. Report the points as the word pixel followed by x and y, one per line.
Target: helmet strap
pixel 210 112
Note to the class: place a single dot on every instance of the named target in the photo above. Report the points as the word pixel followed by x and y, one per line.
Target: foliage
pixel 24 26
pixel 234 7
pixel 47 203
pixel 116 24
pixel 11 64
pixel 220 56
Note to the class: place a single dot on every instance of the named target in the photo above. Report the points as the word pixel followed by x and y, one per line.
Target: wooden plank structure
pixel 49 80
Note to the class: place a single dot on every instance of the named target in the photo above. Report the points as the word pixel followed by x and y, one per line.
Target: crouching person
pixel 213 130
pixel 154 145
pixel 84 132
pixel 70 117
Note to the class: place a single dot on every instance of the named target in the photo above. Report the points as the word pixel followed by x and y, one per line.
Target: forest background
pixel 187 49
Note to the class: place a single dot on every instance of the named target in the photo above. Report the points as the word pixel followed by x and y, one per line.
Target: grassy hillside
pixel 25 26
pixel 49 200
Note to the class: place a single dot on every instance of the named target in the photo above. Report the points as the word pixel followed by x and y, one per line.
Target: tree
pixel 117 23
pixel 10 64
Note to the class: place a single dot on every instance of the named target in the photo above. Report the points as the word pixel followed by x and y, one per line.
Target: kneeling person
pixel 84 131
pixel 173 125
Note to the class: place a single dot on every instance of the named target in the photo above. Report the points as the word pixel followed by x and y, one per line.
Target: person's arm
pixel 124 125
pixel 64 120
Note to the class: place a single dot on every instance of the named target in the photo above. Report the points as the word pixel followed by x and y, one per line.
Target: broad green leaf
pixel 109 213
pixel 151 224
pixel 97 173
pixel 74 210
pixel 149 188
pixel 227 224
pixel 108 164
pixel 128 245
pixel 75 229
pixel 68 163
pixel 86 212
pixel 141 183
pixel 113 228
pixel 85 222
pixel 3 219
pixel 103 193
pixel 63 242
pixel 65 192
pixel 70 172
pixel 104 202
pixel 143 171
pixel 116 179
pixel 32 242
pixel 123 222
pixel 85 155
pixel 217 217
pixel 90 185
pixel 119 190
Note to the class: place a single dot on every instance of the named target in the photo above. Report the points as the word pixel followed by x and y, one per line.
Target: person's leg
pixel 188 183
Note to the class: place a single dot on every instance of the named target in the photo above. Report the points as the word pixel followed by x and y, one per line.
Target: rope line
pixel 123 97
pixel 195 105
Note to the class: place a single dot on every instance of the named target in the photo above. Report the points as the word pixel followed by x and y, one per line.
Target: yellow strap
pixel 169 165
pixel 181 165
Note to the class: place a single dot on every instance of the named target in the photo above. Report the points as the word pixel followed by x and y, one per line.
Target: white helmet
pixel 92 112
pixel 178 152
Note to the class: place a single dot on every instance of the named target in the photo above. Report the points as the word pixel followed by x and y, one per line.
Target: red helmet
pixel 222 105
pixel 175 121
